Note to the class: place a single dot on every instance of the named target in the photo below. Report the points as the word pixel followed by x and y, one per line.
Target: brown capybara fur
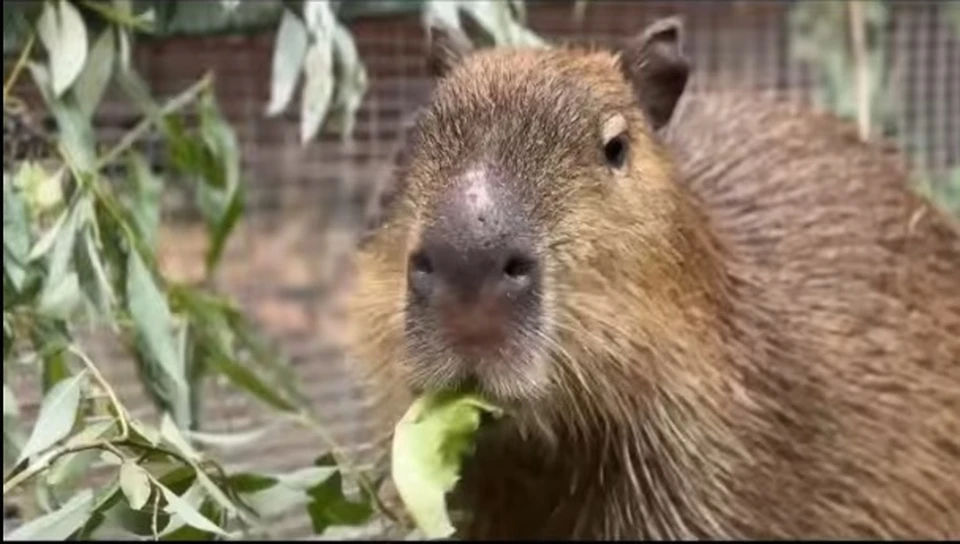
pixel 749 328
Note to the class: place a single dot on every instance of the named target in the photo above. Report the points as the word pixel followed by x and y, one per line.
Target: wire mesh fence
pixel 285 263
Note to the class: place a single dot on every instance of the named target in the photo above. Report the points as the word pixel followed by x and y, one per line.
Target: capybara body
pixel 726 317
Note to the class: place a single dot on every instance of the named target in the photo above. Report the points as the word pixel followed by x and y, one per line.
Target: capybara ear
pixel 447 47
pixel 655 65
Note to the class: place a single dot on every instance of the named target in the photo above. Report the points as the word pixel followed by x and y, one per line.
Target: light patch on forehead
pixel 614 126
pixel 476 187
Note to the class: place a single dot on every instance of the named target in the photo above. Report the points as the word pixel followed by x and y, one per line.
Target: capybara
pixel 712 315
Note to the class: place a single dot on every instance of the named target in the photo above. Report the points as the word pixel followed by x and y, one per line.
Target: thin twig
pixel 859 38
pixel 114 450
pixel 54 454
pixel 45 462
pixel 344 461
pixel 18 67
pixel 121 413
pixel 138 131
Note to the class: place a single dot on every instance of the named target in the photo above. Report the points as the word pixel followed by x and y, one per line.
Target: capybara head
pixel 534 209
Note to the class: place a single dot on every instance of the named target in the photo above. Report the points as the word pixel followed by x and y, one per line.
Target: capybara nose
pixel 477 247
pixel 471 271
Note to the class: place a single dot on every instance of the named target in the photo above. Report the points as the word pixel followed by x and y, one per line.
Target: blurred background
pixel 891 67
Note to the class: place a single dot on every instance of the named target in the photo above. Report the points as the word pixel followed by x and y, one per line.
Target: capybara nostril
pixel 519 266
pixel 470 269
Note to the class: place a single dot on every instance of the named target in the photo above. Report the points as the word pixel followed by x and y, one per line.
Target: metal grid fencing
pixel 285 261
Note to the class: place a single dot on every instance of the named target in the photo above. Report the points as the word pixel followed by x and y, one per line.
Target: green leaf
pixel 351 82
pixel 318 69
pixel 329 507
pixel 155 327
pixel 196 370
pixel 124 51
pixel 273 495
pixel 232 346
pixel 260 352
pixel 110 459
pixel 317 90
pixel 148 434
pixel 93 80
pixel 145 202
pixel 61 290
pixel 92 275
pixel 428 445
pixel 50 339
pixel 45 243
pixel 519 10
pixel 76 133
pixel 209 510
pixel 189 514
pixel 221 197
pixel 136 89
pixel 119 520
pixel 288 54
pixel 105 500
pixel 58 413
pixel 16 273
pixel 59 524
pixel 69 469
pixel 8 339
pixel 498 19
pixel 13 440
pixel 186 151
pixel 135 483
pixel 16 229
pixel 157 384
pixel 442 13
pixel 63 33
pixel 215 492
pixel 309 477
pixel 171 433
pixel 10 407
pixel 276 500
pixel 193 496
pixel 16 25
pixel 61 299
pixel 224 225
pixel 91 432
pixel 221 141
pixel 42 190
pixel 246 379
pixel 13 437
pixel 231 440
pixel 203 17
pixel 63 245
pixel 182 480
pixel 16 235
pixel 247 482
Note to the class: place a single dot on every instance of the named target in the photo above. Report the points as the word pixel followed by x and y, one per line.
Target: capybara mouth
pixel 495 379
pixel 478 347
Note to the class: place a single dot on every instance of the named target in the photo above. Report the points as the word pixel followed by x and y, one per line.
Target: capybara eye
pixel 615 151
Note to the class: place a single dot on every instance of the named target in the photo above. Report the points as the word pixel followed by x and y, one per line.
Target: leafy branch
pixel 80 229
pixel 80 233
pixel 314 42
